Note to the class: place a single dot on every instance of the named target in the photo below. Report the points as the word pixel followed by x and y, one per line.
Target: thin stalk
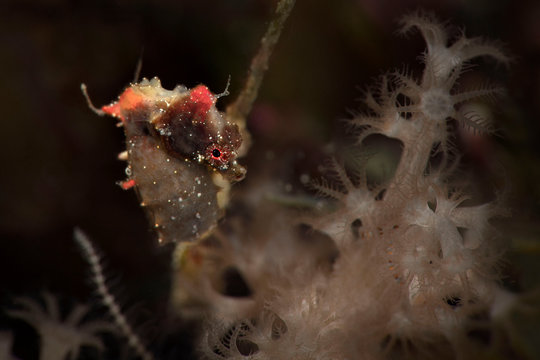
pixel 241 107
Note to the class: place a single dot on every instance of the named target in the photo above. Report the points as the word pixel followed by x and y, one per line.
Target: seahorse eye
pixel 219 156
pixel 216 153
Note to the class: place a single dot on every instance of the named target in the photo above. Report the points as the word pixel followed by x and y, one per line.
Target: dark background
pixel 58 163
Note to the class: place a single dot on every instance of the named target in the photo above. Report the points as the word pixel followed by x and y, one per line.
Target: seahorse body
pixel 181 155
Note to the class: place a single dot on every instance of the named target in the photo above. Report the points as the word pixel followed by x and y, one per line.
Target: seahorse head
pixel 186 122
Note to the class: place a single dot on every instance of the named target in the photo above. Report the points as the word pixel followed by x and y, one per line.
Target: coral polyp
pixel 416 260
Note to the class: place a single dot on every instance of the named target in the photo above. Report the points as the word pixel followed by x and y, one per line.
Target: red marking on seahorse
pixel 127 101
pixel 202 100
pixel 128 184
